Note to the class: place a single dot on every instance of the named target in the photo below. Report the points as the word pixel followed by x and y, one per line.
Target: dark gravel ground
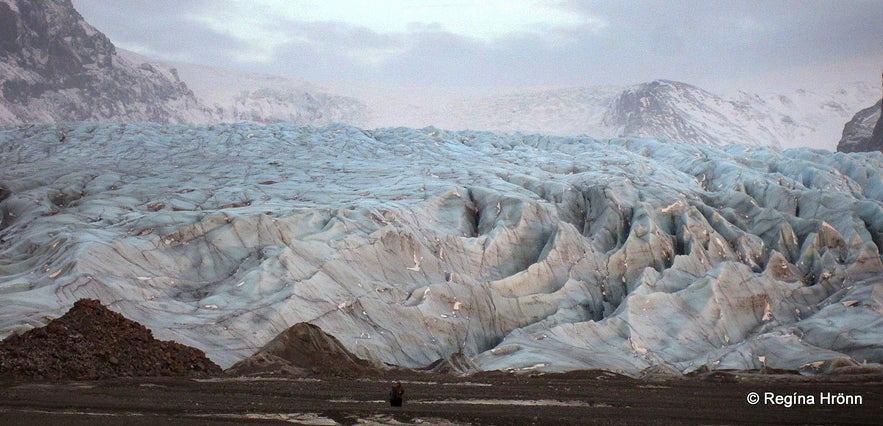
pixel 93 367
pixel 485 399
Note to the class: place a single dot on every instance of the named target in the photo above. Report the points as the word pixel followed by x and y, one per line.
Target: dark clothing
pixel 395 395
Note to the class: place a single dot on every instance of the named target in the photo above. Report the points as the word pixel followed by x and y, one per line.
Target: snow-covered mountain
pixel 413 245
pixel 236 96
pixel 811 118
pixel 662 108
pixel 670 109
pixel 56 67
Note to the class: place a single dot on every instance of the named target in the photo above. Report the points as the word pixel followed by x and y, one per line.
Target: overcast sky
pixel 713 44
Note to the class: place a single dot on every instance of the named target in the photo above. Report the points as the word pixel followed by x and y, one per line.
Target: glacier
pixel 518 252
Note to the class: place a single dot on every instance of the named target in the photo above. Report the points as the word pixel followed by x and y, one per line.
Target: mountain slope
pixel 811 118
pixel 677 110
pixel 56 67
pixel 680 111
pixel 857 132
pixel 236 96
pixel 670 109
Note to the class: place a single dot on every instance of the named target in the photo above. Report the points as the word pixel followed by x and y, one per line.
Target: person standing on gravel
pixel 395 395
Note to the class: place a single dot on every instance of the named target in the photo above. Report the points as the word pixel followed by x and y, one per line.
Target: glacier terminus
pixel 517 252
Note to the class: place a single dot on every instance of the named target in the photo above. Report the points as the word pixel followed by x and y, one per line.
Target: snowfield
pixel 413 245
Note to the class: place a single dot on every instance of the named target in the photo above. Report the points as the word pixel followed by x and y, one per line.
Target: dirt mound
pixel 92 342
pixel 303 349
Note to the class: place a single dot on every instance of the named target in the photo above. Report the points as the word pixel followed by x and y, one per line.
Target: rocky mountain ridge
pixel 858 133
pixel 55 67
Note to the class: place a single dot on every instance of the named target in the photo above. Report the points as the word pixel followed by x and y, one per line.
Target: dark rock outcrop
pixel 303 349
pixel 876 143
pixel 56 67
pixel 864 132
pixel 91 342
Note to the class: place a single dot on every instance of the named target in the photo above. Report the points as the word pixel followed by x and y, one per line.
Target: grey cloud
pixel 693 41
pixel 340 36
pixel 161 26
pixel 744 36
